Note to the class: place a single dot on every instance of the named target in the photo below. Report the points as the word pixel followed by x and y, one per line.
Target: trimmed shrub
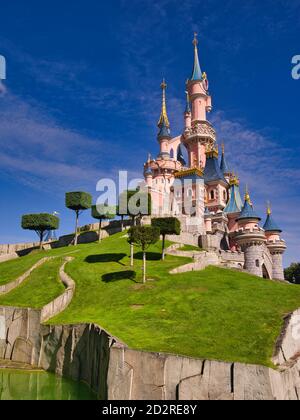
pixel 40 223
pixel 167 226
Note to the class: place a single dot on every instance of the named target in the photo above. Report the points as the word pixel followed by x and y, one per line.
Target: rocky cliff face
pixel 88 353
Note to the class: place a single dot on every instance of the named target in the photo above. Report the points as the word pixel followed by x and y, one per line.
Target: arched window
pixel 224 195
pixel 172 154
pixel 257 263
pixel 212 195
pixel 190 193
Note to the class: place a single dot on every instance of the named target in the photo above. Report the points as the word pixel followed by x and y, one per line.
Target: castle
pixel 204 192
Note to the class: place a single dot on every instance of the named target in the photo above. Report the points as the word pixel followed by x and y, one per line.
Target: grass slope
pixel 41 287
pixel 11 270
pixel 216 313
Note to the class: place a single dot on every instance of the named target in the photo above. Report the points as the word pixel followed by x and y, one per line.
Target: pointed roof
pixel 270 225
pixel 163 119
pixel 235 203
pixel 212 171
pixel 180 157
pixel 224 167
pixel 164 132
pixel 247 210
pixel 197 73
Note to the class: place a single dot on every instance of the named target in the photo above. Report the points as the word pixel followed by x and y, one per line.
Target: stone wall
pixel 135 375
pixel 87 352
pixel 61 302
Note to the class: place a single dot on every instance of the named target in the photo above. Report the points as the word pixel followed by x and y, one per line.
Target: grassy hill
pixel 216 313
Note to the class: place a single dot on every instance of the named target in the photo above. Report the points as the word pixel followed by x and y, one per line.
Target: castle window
pixel 224 195
pixel 171 153
pixel 212 195
pixel 190 192
pixel 257 263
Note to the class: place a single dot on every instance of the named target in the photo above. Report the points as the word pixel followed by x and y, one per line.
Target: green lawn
pixel 190 248
pixel 11 270
pixel 41 287
pixel 216 313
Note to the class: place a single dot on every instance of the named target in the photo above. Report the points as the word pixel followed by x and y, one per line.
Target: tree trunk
pixel 144 267
pixel 131 255
pixel 100 227
pixel 163 247
pixel 122 223
pixel 76 229
pixel 41 240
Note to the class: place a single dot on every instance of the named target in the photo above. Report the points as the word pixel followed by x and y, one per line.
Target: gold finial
pixel 247 195
pixel 269 210
pixel 195 40
pixel 204 76
pixel 163 84
pixel 164 120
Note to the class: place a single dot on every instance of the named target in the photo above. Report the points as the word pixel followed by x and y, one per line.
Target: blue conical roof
pixel 235 203
pixel 164 132
pixel 197 73
pixel 224 167
pixel 212 171
pixel 248 212
pixel 270 225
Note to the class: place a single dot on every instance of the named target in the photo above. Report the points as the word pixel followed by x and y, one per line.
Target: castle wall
pixel 254 259
pixel 278 273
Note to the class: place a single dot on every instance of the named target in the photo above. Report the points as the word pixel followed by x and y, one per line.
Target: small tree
pixel 167 226
pixel 292 273
pixel 40 223
pixel 103 212
pixel 122 216
pixel 78 202
pixel 134 203
pixel 144 236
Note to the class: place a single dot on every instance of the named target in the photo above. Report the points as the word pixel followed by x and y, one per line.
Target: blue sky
pixel 82 98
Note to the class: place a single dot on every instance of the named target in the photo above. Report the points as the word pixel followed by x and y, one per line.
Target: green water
pixel 21 385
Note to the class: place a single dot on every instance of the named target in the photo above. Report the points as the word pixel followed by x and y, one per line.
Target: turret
pixel 215 181
pixel 164 135
pixel 275 245
pixel 198 132
pixel 224 167
pixel 234 205
pixel 251 238
pixel 187 112
pixel 148 173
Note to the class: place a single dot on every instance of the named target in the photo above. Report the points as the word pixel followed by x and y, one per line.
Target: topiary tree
pixel 103 212
pixel 292 273
pixel 167 226
pixel 144 236
pixel 134 203
pixel 40 223
pixel 78 202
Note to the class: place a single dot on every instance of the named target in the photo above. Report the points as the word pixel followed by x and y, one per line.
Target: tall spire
pixel 197 73
pixel 164 120
pixel 224 166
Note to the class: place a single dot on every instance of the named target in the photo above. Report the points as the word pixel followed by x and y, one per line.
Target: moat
pixel 39 385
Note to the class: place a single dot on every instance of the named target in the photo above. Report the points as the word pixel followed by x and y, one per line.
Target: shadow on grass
pixel 104 258
pixel 151 256
pixel 120 275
